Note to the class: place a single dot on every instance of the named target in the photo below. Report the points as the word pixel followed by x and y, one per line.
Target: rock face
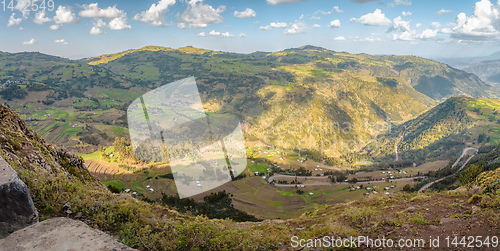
pixel 60 234
pixel 17 210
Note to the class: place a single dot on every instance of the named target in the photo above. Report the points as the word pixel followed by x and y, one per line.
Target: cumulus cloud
pixel 334 24
pixel 406 13
pixel 40 18
pixel 93 11
pixel 427 34
pixel 399 24
pixel 219 34
pixel 245 14
pixel 483 24
pixel 13 20
pixel 377 18
pixel 119 23
pixel 201 34
pixel 32 41
pixel 156 13
pixel 65 16
pixel 418 25
pixel 316 26
pixel 274 25
pixel 199 15
pixel 181 25
pixel 296 28
pixel 405 36
pixel 55 27
pixel 96 31
pixel 339 38
pixel 243 35
pixel 442 12
pixel 275 2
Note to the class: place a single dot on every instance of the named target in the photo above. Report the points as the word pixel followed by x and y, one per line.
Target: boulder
pixel 61 234
pixel 17 210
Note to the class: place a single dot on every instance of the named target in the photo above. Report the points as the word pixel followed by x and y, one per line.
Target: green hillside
pixel 451 125
pixel 280 97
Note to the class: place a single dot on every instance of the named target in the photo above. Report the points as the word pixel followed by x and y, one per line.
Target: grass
pixel 275 203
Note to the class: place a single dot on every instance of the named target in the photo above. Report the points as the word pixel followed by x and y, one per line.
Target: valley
pixel 353 124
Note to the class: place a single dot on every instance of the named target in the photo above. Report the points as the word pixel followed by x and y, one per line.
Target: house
pixel 127 190
pixel 311 193
pixel 387 193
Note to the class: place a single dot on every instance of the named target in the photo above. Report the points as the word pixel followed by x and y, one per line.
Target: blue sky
pixel 78 29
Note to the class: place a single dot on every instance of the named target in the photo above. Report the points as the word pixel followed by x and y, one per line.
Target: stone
pixel 17 210
pixel 61 234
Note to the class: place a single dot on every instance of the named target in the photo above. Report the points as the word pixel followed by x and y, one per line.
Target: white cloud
pixel 40 18
pixel 23 6
pixel 61 41
pixel 427 34
pixel 199 15
pixel 93 11
pixel 405 36
pixel 399 24
pixel 377 18
pixel 315 18
pixel 296 28
pixel 334 24
pixel 65 16
pixel 442 12
pixel 316 26
pixel 156 13
pixel 243 35
pixel 119 23
pixel 418 25
pixel 32 41
pixel 201 34
pixel 274 25
pixel 13 20
pixel 339 38
pixel 219 34
pixel 402 2
pixel 245 14
pixel 55 27
pixel 278 25
pixel 181 25
pixel 483 24
pixel 337 9
pixel 406 13
pixel 96 31
pixel 274 2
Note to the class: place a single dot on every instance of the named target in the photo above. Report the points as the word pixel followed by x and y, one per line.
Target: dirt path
pixel 454 164
pixel 397 146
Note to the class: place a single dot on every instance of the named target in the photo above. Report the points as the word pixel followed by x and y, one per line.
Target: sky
pixel 80 29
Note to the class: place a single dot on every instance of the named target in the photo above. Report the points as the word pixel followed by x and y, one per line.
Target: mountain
pixel 445 130
pixel 488 71
pixel 277 96
pixel 61 186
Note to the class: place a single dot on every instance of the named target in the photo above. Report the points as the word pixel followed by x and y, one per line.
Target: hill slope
pixel 278 96
pixel 154 227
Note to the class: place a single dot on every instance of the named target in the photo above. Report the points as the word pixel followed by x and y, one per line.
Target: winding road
pixel 454 164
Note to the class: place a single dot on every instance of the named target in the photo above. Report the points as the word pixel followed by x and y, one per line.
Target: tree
pixel 470 174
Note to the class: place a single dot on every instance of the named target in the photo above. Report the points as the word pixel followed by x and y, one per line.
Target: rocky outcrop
pixel 60 234
pixel 17 210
